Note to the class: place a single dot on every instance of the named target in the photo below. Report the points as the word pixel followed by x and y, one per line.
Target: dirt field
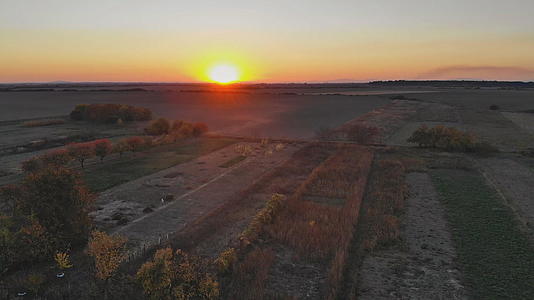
pixel 197 187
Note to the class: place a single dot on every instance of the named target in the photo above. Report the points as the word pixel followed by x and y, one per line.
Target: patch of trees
pixel 177 129
pixel 449 139
pixel 110 113
pixel 48 212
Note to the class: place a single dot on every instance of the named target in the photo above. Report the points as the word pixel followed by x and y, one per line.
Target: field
pixel 284 198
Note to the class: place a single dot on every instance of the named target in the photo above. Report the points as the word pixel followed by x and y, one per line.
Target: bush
pixel 158 127
pixel 447 138
pixel 177 276
pixel 110 113
pixel 494 107
pixel 103 148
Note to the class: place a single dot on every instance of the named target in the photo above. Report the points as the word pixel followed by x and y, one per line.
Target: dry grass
pixel 250 276
pixel 388 191
pixel 39 123
pixel 316 232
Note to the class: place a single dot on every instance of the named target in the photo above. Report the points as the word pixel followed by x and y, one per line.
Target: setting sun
pixel 224 74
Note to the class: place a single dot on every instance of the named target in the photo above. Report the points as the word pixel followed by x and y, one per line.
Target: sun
pixel 224 73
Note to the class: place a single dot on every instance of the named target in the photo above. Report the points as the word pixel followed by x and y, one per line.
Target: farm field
pixel 299 193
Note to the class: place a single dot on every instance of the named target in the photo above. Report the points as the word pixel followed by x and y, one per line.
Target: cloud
pixel 479 73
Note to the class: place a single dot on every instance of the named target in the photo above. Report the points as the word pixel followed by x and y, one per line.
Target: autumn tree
pixel 57 198
pixel 103 148
pixel 121 147
pixel 81 151
pixel 158 127
pixel 135 143
pixel 176 275
pixel 108 252
pixel 59 157
pixel 199 129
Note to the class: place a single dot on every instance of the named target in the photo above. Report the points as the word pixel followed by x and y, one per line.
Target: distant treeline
pixel 455 83
pixel 72 90
pixel 110 113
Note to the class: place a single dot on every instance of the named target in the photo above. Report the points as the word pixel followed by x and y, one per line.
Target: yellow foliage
pixel 108 252
pixel 63 261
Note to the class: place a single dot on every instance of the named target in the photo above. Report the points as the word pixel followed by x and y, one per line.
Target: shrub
pixel 158 127
pixel 446 138
pixel 226 260
pixel 494 107
pixel 177 276
pixel 102 148
pixel 108 252
pixel 81 151
pixel 62 260
pixel 199 129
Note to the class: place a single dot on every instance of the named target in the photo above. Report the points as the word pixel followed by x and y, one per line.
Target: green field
pixel 133 166
pixel 497 258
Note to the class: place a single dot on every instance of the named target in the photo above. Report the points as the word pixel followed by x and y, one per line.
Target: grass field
pixel 496 256
pixel 114 172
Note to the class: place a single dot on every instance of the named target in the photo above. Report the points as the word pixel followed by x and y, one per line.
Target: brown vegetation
pixel 448 138
pixel 108 253
pixel 177 275
pixel 110 113
pixel 38 123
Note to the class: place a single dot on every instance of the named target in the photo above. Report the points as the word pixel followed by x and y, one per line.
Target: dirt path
pixel 198 187
pixel 424 269
pixel 515 182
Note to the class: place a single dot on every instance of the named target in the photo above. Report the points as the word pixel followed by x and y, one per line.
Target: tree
pixel 108 252
pixel 102 148
pixel 59 157
pixel 158 127
pixel 121 147
pixel 59 201
pixel 81 151
pixel 135 143
pixel 199 129
pixel 177 276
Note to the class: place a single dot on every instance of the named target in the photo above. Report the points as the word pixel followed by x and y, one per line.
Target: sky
pixel 268 41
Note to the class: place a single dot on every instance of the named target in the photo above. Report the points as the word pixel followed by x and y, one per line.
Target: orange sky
pixel 268 41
